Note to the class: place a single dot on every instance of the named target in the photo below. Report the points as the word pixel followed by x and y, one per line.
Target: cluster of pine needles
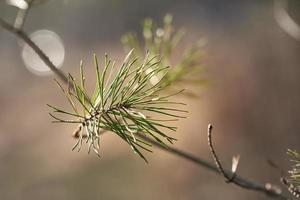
pixel 165 40
pixel 127 103
pixel 294 179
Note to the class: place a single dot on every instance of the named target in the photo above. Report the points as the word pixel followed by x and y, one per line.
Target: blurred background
pixel 253 102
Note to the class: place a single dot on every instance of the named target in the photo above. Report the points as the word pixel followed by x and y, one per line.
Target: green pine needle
pixel 127 104
pixel 295 172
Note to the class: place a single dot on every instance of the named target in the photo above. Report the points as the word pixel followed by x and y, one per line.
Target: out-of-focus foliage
pixel 122 103
pixel 294 179
pixel 164 41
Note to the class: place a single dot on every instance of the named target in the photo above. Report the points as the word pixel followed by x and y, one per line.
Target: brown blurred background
pixel 254 103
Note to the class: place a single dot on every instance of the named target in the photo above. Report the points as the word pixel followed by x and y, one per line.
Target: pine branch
pixel 180 153
pixel 123 105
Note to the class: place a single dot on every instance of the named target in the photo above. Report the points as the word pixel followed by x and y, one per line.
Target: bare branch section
pixel 242 182
pixel 232 177
pixel 22 35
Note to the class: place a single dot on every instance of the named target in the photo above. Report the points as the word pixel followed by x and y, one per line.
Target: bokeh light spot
pixel 52 46
pixel 21 4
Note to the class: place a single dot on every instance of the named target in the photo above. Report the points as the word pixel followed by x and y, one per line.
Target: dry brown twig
pixel 229 176
pixel 232 177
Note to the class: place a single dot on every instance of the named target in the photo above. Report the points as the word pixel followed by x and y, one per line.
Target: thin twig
pixel 215 157
pixel 242 182
pixel 232 177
